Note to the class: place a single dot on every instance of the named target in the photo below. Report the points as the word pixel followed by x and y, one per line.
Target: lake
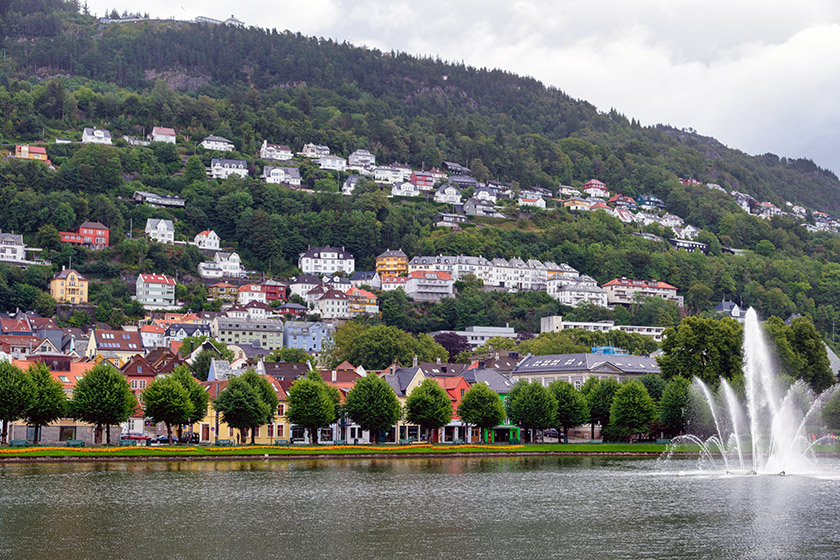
pixel 464 508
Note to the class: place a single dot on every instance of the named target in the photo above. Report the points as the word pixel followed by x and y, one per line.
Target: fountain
pixel 774 433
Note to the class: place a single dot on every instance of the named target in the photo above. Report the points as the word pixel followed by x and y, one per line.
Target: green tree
pixel 428 406
pixel 571 406
pixel 809 345
pixel 198 396
pixel 241 406
pixel 654 384
pixel 16 394
pixel 311 405
pixel 674 407
pixel 600 401
pixel 292 356
pixel 266 393
pixel 201 364
pixel 632 410
pixel 373 405
pixel 166 400
pixel 49 401
pixel 531 406
pixel 481 407
pixel 103 398
pixel 831 412
pixel 194 171
pixel 707 348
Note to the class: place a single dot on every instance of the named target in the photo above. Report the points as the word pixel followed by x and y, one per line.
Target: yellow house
pixel 278 428
pixel 403 381
pixel 68 286
pixel 392 263
pixel 114 345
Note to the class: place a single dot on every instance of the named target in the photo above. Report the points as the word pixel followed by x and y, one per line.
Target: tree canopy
pixel 104 398
pixel 373 405
pixel 428 406
pixel 481 407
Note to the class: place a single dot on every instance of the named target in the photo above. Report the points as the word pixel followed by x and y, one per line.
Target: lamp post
pixel 216 410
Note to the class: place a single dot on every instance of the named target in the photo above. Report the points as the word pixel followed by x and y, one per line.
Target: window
pixel 66 433
pixel 280 430
pixel 64 379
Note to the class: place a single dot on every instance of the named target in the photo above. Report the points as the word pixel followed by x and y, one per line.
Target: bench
pixel 224 443
pixel 18 443
pixel 128 443
pixel 663 441
pixel 340 442
pixel 513 441
pixel 74 443
pixel 457 442
pixel 596 441
pixel 281 442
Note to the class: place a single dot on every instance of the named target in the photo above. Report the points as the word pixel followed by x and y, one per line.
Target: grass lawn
pixel 385 449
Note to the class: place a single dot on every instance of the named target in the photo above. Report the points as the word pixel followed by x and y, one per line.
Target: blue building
pixel 307 335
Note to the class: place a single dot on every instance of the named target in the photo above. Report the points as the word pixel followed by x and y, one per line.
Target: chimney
pixel 438 360
pixel 414 361
pixel 334 375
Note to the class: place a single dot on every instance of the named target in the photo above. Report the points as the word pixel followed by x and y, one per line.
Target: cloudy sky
pixel 758 75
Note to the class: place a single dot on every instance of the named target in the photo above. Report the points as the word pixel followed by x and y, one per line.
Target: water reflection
pixel 530 507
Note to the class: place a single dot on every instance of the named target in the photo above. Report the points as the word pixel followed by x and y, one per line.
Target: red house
pixel 92 235
pixel 274 291
pixel 422 179
pixel 455 386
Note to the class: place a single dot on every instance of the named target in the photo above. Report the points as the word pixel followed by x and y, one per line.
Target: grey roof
pixel 361 275
pixel 305 279
pixel 213 138
pixel 232 323
pixel 105 132
pixel 315 252
pixel 400 379
pixel 291 172
pixel 390 253
pixel 187 328
pixel 562 363
pixel 490 377
pixel 449 259
pixel 153 223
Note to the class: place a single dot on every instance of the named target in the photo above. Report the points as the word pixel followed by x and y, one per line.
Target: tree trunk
pixel 169 433
pixel 108 434
pixel 253 434
pixel 592 430
pixel 97 434
pixel 180 430
pixel 5 431
pixel 313 436
pixel 37 437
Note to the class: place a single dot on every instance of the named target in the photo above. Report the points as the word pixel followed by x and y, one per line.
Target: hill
pixel 405 108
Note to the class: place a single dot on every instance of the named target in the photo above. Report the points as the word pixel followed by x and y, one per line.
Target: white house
pixel 281 175
pixel 96 136
pixel 162 134
pixel 361 158
pixel 251 292
pixel 386 174
pixel 224 168
pixel 334 304
pixel 485 193
pixel 326 260
pixel 315 151
pixel 332 163
pixel 278 152
pixel 448 194
pixel 538 202
pixel 575 291
pixel 162 231
pixel 13 249
pixel 217 143
pixel 155 291
pixel 596 189
pixel 207 239
pixel 405 189
pixel 223 265
pixel 423 285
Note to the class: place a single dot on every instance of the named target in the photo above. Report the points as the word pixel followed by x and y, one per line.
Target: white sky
pixel 758 75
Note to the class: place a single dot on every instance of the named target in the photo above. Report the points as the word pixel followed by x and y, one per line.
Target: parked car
pixel 164 439
pixel 134 435
pixel 189 437
pixel 551 432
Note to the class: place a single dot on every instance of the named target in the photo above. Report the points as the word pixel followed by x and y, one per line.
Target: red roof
pixel 358 292
pixel 152 329
pixel 35 149
pixel 251 288
pixel 163 131
pixel 430 274
pixel 205 232
pixel 157 279
pixel 594 183
pixel 640 284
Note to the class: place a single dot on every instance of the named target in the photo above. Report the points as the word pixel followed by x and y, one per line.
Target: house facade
pixel 361 158
pixel 429 285
pixel 96 136
pixel 68 286
pixel 626 291
pixel 281 175
pixel 163 134
pixel 448 194
pixel 217 143
pixel 224 168
pixel 267 333
pixel 307 335
pixel 326 260
pixel 392 263
pixel 332 163
pixel 279 152
pixel 162 231
pixel 576 291
pixel 207 239
pixel 92 235
pixel 155 291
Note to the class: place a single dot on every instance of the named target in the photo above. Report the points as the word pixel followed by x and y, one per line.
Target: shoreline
pixel 327 456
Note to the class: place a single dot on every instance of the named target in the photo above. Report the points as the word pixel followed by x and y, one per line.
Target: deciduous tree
pixel 531 406
pixel 481 407
pixel 103 398
pixel 428 406
pixel 16 394
pixel 571 406
pixel 241 406
pixel 373 405
pixel 49 401
pixel 166 400
pixel 632 410
pixel 311 405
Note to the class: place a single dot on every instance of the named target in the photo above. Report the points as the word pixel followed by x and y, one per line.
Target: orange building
pixel 38 153
pixel 392 263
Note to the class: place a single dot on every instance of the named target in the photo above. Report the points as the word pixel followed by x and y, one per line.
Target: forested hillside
pixel 63 71
pixel 403 108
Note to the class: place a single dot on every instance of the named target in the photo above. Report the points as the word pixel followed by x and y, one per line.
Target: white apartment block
pixel 575 291
pixel 224 168
pixel 326 260
pixel 155 291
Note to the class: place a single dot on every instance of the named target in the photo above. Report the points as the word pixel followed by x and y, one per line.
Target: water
pixel 466 508
pixel 781 427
